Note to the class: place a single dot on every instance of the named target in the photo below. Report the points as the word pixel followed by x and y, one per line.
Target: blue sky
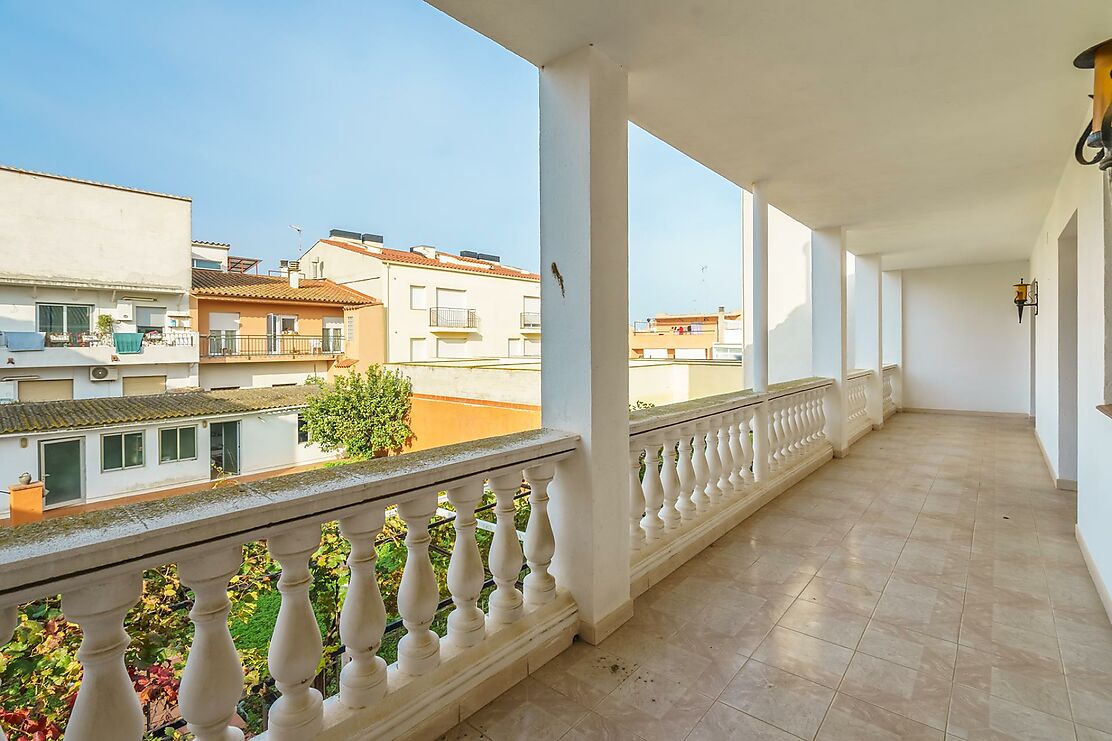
pixel 384 117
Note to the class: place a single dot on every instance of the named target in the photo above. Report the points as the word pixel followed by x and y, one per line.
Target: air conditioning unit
pixel 103 373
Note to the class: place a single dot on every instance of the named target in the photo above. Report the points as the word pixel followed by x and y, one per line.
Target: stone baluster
pixel 653 492
pixel 773 435
pixel 745 428
pixel 670 480
pixel 816 414
pixel 418 594
pixel 684 504
pixel 737 454
pixel 725 456
pixel 506 602
pixel 702 471
pixel 107 706
pixel 808 419
pixel 296 646
pixel 363 617
pixel 636 501
pixel 467 623
pixel 212 682
pixel 714 495
pixel 820 414
pixel 540 542
pixel 793 409
pixel 9 619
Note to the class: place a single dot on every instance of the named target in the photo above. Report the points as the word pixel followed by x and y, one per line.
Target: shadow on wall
pixel 789 334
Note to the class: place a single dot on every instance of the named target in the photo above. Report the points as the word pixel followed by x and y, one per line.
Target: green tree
pixel 365 414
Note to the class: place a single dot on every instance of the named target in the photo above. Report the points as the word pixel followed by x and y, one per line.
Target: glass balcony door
pixel 62 465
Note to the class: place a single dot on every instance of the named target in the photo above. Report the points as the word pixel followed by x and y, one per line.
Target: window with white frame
pixel 121 450
pixel 64 318
pixel 418 297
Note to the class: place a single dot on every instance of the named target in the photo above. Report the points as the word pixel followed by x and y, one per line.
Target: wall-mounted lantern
pixel 1026 294
pixel 1098 133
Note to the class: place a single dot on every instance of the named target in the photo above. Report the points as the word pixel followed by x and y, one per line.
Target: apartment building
pixel 94 289
pixel 265 330
pixel 708 336
pixel 438 304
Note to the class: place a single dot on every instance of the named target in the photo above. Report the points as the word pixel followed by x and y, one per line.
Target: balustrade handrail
pixel 44 558
pixel 891 367
pixel 858 373
pixel 643 422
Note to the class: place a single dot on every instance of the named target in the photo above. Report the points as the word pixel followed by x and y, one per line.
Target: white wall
pixel 267 442
pixel 258 374
pixel 59 229
pixel 964 348
pixel 1079 192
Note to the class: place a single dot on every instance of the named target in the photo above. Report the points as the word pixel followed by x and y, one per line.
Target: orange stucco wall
pixel 438 420
pixel 252 314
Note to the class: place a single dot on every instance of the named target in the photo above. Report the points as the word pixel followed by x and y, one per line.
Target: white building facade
pixel 94 290
pixel 438 305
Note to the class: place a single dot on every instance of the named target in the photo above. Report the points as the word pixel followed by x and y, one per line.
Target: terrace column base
pixel 598 631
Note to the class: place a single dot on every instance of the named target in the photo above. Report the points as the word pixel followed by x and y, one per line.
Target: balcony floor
pixel 928 584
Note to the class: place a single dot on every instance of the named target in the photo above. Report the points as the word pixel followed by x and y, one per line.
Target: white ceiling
pixel 935 131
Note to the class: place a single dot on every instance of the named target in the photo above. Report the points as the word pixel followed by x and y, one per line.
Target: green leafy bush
pixel 363 414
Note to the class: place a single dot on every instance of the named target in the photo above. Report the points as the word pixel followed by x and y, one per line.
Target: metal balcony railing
pixel 173 338
pixel 230 344
pixel 452 318
pixel 530 320
pixel 652 327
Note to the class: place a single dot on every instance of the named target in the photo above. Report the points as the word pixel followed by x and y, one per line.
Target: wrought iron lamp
pixel 1098 134
pixel 1026 294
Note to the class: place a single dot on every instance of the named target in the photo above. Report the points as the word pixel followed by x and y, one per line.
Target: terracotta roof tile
pixel 248 285
pixel 485 267
pixel 44 416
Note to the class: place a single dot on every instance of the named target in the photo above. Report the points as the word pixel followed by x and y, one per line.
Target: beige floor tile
pixel 842 595
pixel 530 709
pixel 979 715
pixel 785 700
pixel 654 706
pixel 1091 734
pixel 916 695
pixel 850 719
pixel 932 609
pixel 1091 699
pixel 585 673
pixel 724 723
pixel 827 623
pixel 595 727
pixel 909 648
pixel 1015 676
pixel 809 657
pixel 463 732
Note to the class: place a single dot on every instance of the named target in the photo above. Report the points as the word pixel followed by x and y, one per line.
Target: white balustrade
pixel 506 602
pixel 636 500
pixel 212 682
pixel 653 492
pixel 857 413
pixel 107 706
pixel 670 481
pixel 540 542
pixel 737 452
pixel 714 494
pixel 467 623
pixel 418 594
pixel 702 472
pixel 685 505
pixel 746 430
pixel 296 646
pixel 888 393
pixel 725 457
pixel 363 617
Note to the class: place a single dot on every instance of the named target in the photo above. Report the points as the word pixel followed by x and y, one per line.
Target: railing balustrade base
pixel 659 559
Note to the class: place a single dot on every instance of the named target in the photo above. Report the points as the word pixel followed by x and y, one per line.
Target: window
pixel 120 451
pixel 177 444
pixel 418 298
pixel 46 390
pixel 533 347
pixel 517 347
pixel 418 349
pixel 302 430
pixel 144 385
pixel 350 337
pixel 451 348
pixel 150 319
pixel 206 264
pixel 64 318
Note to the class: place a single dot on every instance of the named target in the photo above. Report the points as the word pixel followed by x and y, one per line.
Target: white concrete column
pixel 585 303
pixel 828 327
pixel 869 329
pixel 892 319
pixel 754 290
pixel 754 295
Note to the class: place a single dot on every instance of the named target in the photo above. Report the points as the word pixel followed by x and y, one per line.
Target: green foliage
pixel 363 414
pixel 638 405
pixel 105 325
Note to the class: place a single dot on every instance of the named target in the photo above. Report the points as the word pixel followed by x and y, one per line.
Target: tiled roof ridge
pixel 483 267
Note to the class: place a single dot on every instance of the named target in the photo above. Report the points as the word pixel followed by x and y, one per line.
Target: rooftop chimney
pixel 293 272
